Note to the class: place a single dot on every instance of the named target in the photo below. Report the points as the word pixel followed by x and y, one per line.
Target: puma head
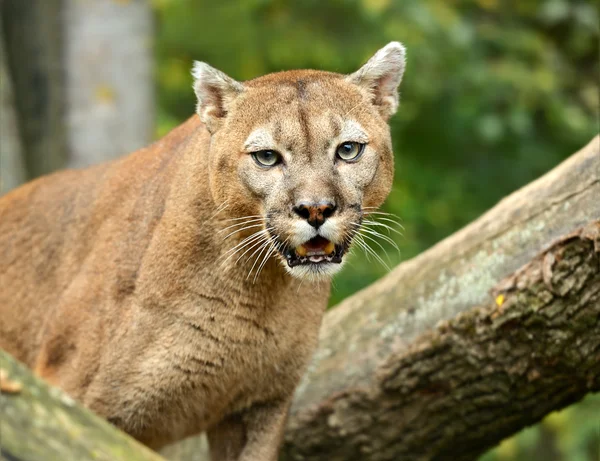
pixel 300 156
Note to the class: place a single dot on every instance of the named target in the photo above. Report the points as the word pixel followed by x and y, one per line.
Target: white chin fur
pixel 315 272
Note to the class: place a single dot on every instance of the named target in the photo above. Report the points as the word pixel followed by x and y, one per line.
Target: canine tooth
pixel 301 250
pixel 329 248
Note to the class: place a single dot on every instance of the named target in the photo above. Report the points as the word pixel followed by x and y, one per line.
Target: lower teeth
pixel 316 259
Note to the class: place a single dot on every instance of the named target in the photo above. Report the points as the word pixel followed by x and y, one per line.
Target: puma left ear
pixel 381 76
pixel 215 92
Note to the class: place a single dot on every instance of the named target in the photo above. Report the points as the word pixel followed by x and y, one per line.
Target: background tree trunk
pixel 12 169
pixel 110 93
pixel 33 39
pixel 82 84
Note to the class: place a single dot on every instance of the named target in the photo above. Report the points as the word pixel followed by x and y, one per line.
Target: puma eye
pixel 349 151
pixel 266 158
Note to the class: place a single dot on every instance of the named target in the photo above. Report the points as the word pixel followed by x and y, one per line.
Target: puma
pixel 180 289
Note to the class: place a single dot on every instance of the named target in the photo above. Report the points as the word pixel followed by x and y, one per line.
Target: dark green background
pixel 495 94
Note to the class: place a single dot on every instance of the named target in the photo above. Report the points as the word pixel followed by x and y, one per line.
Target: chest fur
pixel 216 359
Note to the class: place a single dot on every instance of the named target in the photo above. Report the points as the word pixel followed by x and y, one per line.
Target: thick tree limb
pixel 40 423
pixel 425 364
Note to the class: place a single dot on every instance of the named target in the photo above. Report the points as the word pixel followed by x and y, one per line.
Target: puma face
pixel 299 157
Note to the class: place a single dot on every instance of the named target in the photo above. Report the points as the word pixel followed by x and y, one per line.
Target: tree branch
pixel 40 423
pixel 426 364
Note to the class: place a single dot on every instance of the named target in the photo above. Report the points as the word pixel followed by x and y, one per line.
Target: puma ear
pixel 215 92
pixel 381 76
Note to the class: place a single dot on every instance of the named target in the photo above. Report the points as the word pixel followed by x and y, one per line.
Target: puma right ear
pixel 381 76
pixel 215 92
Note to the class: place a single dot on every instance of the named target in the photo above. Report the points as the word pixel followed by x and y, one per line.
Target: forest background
pixel 495 94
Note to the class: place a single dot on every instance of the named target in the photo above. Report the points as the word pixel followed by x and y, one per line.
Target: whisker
pixel 380 213
pixel 263 236
pixel 361 244
pixel 382 236
pixel 242 229
pixel 241 245
pixel 261 248
pixel 379 245
pixel 352 110
pixel 374 254
pixel 375 210
pixel 357 239
pixel 243 217
pixel 250 237
pixel 266 258
pixel 379 218
pixel 275 246
pixel 366 248
pixel 333 285
pixel 239 224
pixel 259 245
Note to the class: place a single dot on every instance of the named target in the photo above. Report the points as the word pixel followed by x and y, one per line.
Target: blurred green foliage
pixel 495 94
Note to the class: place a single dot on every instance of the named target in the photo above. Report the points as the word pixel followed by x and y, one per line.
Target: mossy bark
pixel 40 423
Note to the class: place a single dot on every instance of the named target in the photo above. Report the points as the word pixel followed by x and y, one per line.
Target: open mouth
pixel 317 250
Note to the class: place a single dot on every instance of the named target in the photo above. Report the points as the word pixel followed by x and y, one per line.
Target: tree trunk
pixel 110 94
pixel 32 32
pixel 82 81
pixel 12 169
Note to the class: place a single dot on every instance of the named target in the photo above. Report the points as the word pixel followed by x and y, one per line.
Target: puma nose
pixel 315 213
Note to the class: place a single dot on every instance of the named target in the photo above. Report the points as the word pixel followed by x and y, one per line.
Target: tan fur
pixel 114 281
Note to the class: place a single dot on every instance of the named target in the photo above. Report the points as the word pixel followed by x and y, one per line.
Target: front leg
pixel 254 435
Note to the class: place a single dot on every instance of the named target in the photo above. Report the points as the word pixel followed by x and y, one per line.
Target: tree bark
pixel 110 93
pixel 32 32
pixel 458 348
pixel 40 423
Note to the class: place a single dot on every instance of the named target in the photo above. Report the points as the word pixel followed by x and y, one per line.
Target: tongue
pixel 316 246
